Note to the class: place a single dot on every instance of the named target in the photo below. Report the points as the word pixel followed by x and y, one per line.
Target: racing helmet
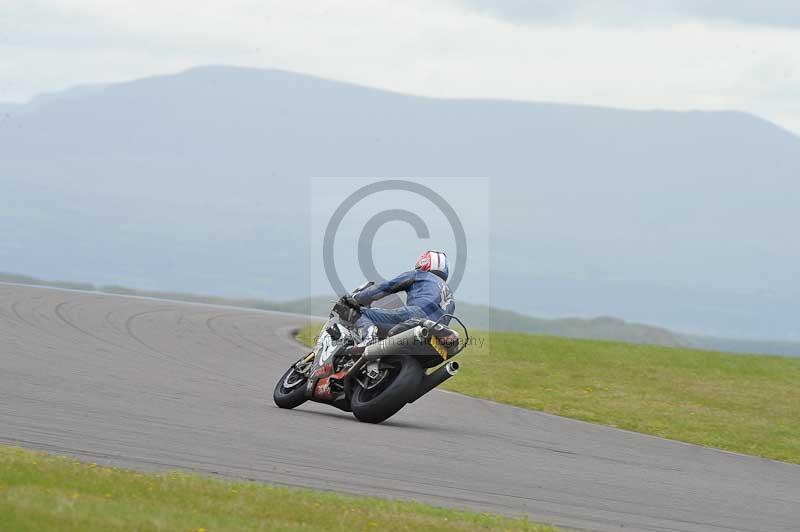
pixel 434 262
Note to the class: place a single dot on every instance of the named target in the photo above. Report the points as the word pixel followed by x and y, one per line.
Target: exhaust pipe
pixel 405 343
pixel 429 382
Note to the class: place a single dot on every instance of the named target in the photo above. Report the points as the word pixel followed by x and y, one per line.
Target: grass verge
pixel 42 492
pixel 742 403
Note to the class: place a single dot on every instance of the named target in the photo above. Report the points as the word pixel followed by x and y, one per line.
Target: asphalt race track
pixel 156 384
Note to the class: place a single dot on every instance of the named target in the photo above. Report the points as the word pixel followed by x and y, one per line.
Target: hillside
pixel 476 316
pixel 487 317
pixel 199 181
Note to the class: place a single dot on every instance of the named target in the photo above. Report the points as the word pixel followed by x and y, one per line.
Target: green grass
pixel 742 403
pixel 42 492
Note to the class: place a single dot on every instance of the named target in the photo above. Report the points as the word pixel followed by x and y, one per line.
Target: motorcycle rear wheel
pixel 378 403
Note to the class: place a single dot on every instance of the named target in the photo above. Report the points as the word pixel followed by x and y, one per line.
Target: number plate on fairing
pixel 442 350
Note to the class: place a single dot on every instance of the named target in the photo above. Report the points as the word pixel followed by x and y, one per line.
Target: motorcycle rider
pixel 428 296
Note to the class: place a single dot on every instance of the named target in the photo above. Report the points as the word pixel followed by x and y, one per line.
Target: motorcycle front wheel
pixel 377 399
pixel 290 392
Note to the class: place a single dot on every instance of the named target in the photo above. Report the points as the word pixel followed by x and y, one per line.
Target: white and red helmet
pixel 434 262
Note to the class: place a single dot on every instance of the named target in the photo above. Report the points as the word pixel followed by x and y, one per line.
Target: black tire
pixel 289 397
pixel 375 406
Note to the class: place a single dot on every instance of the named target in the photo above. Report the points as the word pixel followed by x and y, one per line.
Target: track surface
pixel 156 384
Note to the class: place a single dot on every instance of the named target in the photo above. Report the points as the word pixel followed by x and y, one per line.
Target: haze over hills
pixel 198 182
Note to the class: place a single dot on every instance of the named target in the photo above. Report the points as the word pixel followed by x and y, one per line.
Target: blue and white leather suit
pixel 428 296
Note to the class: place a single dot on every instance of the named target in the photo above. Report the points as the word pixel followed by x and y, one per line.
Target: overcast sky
pixel 671 54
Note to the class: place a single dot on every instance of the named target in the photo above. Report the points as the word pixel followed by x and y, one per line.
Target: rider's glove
pixel 350 301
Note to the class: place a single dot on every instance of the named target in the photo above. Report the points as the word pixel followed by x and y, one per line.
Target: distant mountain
pixel 199 182
pixel 600 328
pixel 75 93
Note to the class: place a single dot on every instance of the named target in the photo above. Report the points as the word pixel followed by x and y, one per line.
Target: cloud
pixel 777 13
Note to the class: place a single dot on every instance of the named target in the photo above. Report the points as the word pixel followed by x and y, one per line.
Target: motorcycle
pixel 377 382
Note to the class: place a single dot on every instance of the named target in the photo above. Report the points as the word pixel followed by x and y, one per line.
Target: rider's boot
pixel 370 338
